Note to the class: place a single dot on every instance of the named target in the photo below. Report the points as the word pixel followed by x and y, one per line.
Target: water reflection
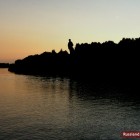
pixel 34 107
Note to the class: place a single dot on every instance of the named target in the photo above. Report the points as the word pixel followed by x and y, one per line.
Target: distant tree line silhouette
pixel 4 65
pixel 96 62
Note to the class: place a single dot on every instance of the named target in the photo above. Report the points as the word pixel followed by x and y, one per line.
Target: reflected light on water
pixel 34 107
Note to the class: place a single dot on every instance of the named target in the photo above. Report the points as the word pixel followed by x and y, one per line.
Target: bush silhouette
pixel 108 61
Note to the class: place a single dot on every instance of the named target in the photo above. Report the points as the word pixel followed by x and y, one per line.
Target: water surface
pixel 47 108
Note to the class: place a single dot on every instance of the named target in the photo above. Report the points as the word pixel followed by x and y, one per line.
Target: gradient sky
pixel 34 26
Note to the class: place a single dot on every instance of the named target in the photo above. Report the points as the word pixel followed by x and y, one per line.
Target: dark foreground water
pixel 40 108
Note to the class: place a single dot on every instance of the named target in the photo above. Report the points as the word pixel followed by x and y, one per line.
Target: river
pixel 54 108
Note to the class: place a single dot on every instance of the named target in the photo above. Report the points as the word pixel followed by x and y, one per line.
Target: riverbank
pixel 4 65
pixel 106 62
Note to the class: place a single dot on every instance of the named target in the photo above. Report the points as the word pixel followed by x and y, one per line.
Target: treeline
pixel 96 62
pixel 4 65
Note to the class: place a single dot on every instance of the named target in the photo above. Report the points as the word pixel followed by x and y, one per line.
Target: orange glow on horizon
pixel 33 27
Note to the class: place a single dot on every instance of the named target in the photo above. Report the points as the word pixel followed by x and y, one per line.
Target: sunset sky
pixel 34 26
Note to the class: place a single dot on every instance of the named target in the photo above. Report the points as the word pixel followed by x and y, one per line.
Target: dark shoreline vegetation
pixel 4 65
pixel 108 62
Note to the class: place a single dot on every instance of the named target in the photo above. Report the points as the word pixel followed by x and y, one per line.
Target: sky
pixel 29 27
